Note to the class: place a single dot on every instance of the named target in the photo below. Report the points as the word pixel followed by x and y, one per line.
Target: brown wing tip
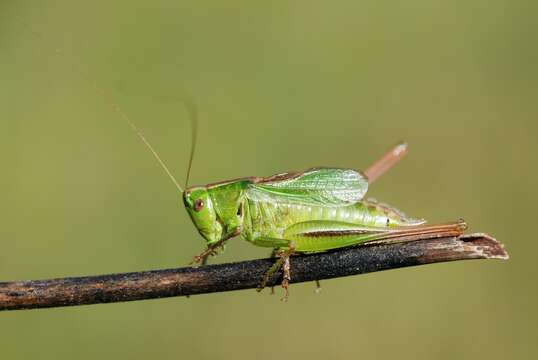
pixel 387 161
pixel 400 149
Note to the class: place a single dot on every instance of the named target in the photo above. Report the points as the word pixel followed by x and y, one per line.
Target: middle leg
pixel 282 262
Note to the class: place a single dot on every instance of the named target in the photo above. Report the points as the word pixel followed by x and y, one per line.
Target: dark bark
pixel 242 275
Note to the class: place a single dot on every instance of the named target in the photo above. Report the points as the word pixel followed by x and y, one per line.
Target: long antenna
pixel 190 104
pixel 191 107
pixel 139 133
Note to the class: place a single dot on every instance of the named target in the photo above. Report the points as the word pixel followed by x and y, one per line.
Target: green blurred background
pixel 281 85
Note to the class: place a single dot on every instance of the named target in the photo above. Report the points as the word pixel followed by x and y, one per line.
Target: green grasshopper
pixel 316 210
pixel 311 211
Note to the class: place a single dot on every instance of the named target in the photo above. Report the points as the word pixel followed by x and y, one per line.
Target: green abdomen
pixel 270 220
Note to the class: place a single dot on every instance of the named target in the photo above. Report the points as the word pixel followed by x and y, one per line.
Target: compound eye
pixel 198 205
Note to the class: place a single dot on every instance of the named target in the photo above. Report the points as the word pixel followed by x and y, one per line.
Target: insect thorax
pixel 228 203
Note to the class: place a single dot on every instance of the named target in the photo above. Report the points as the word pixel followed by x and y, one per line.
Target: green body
pixel 313 228
pixel 312 211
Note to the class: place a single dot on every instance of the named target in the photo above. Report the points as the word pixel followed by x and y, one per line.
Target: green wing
pixel 317 186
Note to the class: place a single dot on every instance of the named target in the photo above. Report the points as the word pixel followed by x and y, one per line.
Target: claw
pixel 195 262
pixel 211 250
pixel 318 287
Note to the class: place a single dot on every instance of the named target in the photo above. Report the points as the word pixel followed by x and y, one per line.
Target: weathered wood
pixel 242 275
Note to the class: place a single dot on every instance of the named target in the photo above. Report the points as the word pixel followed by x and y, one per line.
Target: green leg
pixel 269 273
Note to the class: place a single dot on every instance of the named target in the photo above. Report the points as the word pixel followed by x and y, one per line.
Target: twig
pixel 242 275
